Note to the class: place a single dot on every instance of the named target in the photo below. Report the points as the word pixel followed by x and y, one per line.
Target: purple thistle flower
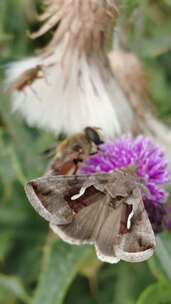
pixel 148 159
pixel 150 164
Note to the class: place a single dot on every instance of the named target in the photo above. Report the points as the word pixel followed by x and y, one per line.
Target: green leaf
pixel 156 268
pixel 80 292
pixel 62 263
pixel 133 278
pixel 163 252
pixel 5 243
pixel 14 286
pixel 6 297
pixel 159 293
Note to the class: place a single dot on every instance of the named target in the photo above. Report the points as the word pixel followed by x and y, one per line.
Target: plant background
pixel 35 267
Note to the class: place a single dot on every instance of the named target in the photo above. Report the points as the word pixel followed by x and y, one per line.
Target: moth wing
pixel 115 222
pixel 137 244
pixel 105 239
pixel 48 194
pixel 85 225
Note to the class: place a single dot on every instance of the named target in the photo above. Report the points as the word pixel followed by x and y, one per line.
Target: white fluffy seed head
pixel 89 96
pixel 77 88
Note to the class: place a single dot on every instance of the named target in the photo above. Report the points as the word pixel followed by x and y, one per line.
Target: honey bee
pixel 74 150
pixel 25 79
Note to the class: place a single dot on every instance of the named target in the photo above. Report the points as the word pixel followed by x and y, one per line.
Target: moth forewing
pixel 52 208
pixel 87 228
pixel 84 227
pixel 134 257
pixel 63 236
pixel 105 258
pixel 108 232
pixel 139 243
pixel 35 202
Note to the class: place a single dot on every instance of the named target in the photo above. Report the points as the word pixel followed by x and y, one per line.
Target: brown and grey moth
pixel 105 210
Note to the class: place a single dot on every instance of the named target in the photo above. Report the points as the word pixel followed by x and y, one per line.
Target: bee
pixel 74 150
pixel 25 79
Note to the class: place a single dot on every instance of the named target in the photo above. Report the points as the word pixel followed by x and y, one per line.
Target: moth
pixel 25 79
pixel 74 150
pixel 105 210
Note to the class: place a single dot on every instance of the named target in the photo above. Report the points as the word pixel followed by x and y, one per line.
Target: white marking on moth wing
pixel 76 196
pixel 129 219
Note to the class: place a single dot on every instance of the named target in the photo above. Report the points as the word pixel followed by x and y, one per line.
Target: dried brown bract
pixel 82 25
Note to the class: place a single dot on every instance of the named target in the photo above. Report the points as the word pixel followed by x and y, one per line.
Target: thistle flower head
pixel 148 159
pixel 76 85
pixel 151 167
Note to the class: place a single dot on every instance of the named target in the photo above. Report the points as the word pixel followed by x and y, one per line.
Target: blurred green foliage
pixel 34 266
